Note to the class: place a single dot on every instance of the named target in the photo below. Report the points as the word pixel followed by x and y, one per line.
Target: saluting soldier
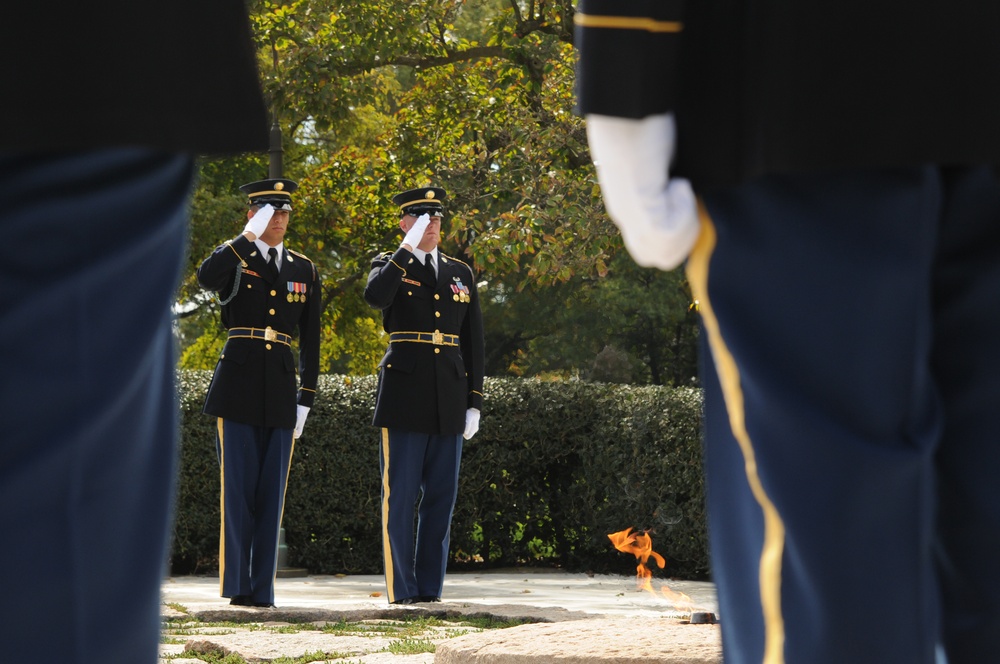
pixel 430 391
pixel 268 293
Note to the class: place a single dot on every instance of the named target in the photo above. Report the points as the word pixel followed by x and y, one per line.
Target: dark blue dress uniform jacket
pixel 423 387
pixel 255 380
pixel 781 86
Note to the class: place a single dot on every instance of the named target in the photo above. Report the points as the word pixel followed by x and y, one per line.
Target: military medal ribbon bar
pixel 296 291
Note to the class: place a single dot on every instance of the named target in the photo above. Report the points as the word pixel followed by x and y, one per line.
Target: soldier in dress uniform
pixel 845 253
pixel 430 391
pixel 268 294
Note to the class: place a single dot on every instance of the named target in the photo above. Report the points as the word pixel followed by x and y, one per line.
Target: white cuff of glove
pixel 417 230
pixel 658 217
pixel 258 223
pixel 300 420
pixel 471 423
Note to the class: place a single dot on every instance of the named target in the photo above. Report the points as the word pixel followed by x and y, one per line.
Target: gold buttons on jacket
pixel 249 286
pixel 273 293
pixel 437 350
pixel 436 296
pixel 267 346
pixel 271 311
pixel 437 314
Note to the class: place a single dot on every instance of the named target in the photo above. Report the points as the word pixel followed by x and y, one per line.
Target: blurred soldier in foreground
pixel 845 254
pixel 96 165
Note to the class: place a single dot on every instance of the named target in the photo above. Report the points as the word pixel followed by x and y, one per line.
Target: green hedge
pixel 555 468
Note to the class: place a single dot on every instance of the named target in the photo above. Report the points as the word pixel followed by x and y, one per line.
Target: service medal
pixel 297 291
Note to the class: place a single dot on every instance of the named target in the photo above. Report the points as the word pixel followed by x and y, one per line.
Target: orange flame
pixel 641 546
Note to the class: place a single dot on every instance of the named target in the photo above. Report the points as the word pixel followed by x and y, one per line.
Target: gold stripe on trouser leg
pixel 284 490
pixel 386 549
pixel 732 392
pixel 222 504
pixel 281 516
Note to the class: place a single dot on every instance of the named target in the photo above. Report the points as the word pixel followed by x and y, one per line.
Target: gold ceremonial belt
pixel 267 334
pixel 436 338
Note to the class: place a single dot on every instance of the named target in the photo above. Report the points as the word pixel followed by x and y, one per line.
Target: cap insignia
pixel 430 193
pixel 279 186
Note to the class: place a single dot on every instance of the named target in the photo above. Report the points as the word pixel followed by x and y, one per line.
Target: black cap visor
pixel 417 210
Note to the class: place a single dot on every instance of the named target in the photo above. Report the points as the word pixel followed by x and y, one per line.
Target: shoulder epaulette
pixel 452 258
pixel 303 256
pixel 308 260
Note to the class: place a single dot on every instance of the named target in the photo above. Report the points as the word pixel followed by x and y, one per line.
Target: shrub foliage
pixel 555 468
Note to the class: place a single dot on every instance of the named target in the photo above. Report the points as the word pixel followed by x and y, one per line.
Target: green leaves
pixel 377 96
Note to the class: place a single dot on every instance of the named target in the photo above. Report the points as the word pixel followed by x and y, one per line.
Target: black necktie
pixel 429 262
pixel 272 263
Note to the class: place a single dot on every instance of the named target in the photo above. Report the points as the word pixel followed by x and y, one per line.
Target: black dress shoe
pixel 407 600
pixel 429 598
pixel 263 605
pixel 241 600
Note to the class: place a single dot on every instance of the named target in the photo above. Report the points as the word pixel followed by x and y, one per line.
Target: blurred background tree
pixel 377 96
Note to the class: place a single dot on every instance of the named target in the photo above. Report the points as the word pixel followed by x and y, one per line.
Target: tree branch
pixel 427 62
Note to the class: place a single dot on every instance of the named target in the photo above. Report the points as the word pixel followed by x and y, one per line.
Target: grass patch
pixel 411 647
pixel 288 629
pixel 408 635
pixel 212 657
pixel 318 656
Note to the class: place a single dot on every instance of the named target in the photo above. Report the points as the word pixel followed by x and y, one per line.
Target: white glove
pixel 258 223
pixel 657 216
pixel 416 232
pixel 300 420
pixel 471 423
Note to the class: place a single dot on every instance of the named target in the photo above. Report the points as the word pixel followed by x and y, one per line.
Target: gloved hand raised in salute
pixel 416 232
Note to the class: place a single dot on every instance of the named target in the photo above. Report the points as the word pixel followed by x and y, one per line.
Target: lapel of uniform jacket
pixel 425 275
pixel 448 270
pixel 258 263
